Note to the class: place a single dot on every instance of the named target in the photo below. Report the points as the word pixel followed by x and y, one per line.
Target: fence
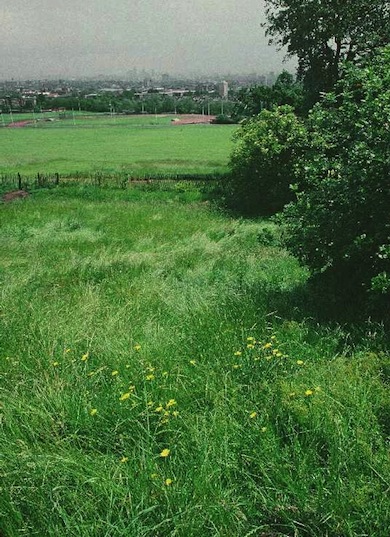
pixel 100 179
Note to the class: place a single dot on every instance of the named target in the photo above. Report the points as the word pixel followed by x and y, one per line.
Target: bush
pixel 262 162
pixel 340 223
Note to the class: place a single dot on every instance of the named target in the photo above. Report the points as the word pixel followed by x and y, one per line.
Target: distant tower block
pixel 223 89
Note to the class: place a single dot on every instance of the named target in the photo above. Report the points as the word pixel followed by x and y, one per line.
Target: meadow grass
pixel 151 386
pixel 134 145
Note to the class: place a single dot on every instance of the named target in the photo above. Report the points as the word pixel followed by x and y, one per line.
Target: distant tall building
pixel 223 89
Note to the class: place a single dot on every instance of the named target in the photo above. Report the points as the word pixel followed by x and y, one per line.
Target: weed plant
pixel 149 386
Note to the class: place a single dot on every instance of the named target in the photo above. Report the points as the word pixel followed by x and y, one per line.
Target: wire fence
pixel 102 179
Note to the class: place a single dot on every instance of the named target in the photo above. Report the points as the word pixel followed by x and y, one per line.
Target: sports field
pixel 131 144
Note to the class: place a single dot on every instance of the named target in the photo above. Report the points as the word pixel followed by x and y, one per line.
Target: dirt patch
pixel 14 195
pixel 17 124
pixel 192 119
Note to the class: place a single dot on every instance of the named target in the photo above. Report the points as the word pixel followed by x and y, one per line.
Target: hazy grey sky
pixel 69 38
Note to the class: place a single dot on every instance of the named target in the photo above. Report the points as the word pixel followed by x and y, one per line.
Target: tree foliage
pixel 286 90
pixel 324 33
pixel 262 162
pixel 339 224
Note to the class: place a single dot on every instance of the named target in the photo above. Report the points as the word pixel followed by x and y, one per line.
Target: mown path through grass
pixel 157 380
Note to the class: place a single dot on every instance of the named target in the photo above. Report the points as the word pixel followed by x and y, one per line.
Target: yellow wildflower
pixel 115 372
pixel 267 345
pixel 175 413
pixel 164 374
pixel 159 409
pixel 192 362
pixel 154 476
pixel 150 377
pixel 137 347
pixel 85 356
pixel 253 415
pixel 124 396
pixel 124 459
pixel 263 429
pixel 237 353
pixel 171 402
pixel 250 339
pixel 168 482
pixel 300 362
pixel 93 411
pixel 250 346
pixel 308 393
pixel 55 364
pixel 165 453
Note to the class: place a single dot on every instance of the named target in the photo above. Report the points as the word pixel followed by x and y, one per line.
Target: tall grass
pixel 152 386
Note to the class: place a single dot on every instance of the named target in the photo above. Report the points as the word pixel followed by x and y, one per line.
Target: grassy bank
pixel 160 376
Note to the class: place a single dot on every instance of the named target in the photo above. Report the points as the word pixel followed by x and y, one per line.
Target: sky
pixel 74 38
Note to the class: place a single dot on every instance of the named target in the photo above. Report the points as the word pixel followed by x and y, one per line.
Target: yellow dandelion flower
pixel 279 354
pixel 168 482
pixel 237 353
pixel 150 377
pixel 124 459
pixel 192 362
pixel 124 396
pixel 308 393
pixel 253 415
pixel 150 403
pixel 165 453
pixel 250 346
pixel 159 408
pixel 137 347
pixel 267 345
pixel 300 362
pixel 236 366
pixel 84 357
pixel 115 373
pixel 55 364
pixel 93 411
pixel 175 413
pixel 171 402
pixel 250 338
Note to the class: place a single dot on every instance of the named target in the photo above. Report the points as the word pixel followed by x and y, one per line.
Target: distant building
pixel 223 89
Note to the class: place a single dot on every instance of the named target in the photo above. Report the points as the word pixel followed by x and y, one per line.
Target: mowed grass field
pixel 135 145
pixel 162 373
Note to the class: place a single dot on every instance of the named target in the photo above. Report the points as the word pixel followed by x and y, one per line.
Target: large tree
pixel 324 33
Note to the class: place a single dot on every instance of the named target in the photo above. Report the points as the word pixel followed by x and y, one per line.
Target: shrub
pixel 340 223
pixel 262 161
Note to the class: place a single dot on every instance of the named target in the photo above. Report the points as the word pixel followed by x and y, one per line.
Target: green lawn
pixel 135 145
pixel 163 374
